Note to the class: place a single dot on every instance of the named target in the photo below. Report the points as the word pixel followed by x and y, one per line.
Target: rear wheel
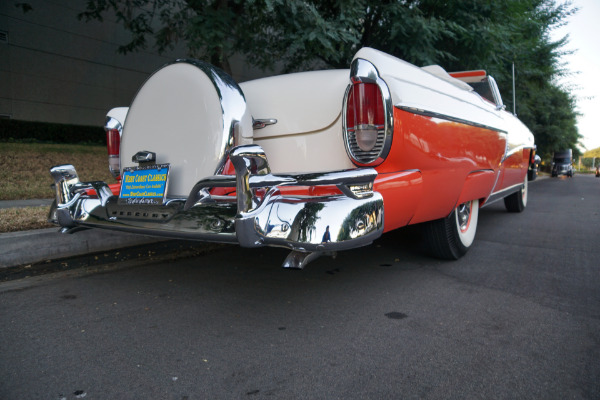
pixel 451 237
pixel 517 201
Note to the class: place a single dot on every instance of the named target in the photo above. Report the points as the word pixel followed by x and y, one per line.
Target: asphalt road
pixel 517 318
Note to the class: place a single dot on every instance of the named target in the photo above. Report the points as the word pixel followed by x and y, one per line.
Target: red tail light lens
pixel 365 115
pixel 113 144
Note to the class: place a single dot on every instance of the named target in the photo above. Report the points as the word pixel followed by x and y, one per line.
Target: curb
pixel 25 203
pixel 29 247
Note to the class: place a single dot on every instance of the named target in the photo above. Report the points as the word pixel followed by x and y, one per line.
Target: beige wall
pixel 55 68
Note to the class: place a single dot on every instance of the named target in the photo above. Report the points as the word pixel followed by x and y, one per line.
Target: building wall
pixel 56 68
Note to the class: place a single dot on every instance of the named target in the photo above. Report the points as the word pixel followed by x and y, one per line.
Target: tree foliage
pixel 299 34
pixel 592 153
pixel 270 33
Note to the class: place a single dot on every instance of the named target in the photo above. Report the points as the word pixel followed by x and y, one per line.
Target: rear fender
pixel 478 185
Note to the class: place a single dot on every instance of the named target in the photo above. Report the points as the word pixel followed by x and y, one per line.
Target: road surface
pixel 517 317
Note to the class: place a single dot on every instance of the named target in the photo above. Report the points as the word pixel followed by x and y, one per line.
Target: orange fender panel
pixel 478 185
pixel 402 192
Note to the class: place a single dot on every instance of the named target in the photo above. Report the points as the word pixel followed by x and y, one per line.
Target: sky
pixel 584 37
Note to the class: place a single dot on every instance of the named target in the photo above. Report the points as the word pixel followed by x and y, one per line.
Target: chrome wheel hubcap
pixel 464 215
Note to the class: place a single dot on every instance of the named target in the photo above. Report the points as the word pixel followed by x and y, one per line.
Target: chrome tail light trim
pixel 363 71
pixel 114 161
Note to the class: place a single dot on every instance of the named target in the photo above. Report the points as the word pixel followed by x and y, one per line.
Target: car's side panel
pixel 514 169
pixel 402 193
pixel 477 186
pixel 446 153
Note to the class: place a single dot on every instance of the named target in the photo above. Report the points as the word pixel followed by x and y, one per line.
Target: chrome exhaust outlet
pixel 299 259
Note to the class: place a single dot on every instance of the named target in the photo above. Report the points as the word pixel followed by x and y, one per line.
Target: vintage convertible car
pixel 315 162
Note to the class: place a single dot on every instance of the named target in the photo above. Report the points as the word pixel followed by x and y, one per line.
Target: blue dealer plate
pixel 144 185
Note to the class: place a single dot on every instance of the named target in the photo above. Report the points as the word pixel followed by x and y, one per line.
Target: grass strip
pixel 26 167
pixel 24 219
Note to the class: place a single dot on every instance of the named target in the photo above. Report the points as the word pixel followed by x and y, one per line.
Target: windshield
pixel 483 89
pixel 562 160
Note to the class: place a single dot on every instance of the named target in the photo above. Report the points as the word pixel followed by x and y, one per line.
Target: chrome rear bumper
pixel 253 218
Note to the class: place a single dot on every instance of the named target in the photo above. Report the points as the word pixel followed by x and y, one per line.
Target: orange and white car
pixel 315 162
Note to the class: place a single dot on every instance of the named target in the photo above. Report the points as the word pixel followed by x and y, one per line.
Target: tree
pixel 288 33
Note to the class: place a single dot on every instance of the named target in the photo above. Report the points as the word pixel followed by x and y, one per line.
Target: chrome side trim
pixel 363 71
pixel 515 150
pixel 494 197
pixel 446 117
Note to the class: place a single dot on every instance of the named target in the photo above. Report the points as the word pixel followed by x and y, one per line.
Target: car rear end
pixel 189 161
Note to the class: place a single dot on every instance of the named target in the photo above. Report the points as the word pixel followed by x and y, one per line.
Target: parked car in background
pixel 562 163
pixel 316 162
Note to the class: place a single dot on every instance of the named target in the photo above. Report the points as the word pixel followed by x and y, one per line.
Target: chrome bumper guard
pixel 252 218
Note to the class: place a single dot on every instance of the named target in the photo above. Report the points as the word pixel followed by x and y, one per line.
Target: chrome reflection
pixel 113 123
pixel 463 213
pixel 302 224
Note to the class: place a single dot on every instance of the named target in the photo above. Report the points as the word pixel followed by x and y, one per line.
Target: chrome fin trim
pixel 433 114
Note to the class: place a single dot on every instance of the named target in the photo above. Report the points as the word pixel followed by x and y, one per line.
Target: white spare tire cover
pixel 187 113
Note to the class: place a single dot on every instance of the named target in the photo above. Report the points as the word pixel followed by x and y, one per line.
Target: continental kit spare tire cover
pixel 186 113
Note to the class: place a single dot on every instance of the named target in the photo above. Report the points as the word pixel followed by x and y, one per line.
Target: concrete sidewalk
pixel 25 203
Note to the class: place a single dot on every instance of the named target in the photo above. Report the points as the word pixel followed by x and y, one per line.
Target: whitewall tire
pixel 517 201
pixel 450 238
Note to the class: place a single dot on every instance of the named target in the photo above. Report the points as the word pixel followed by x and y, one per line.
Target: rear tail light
pixel 113 145
pixel 368 116
pixel 365 115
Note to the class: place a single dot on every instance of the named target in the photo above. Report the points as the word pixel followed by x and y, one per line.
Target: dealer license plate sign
pixel 144 185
